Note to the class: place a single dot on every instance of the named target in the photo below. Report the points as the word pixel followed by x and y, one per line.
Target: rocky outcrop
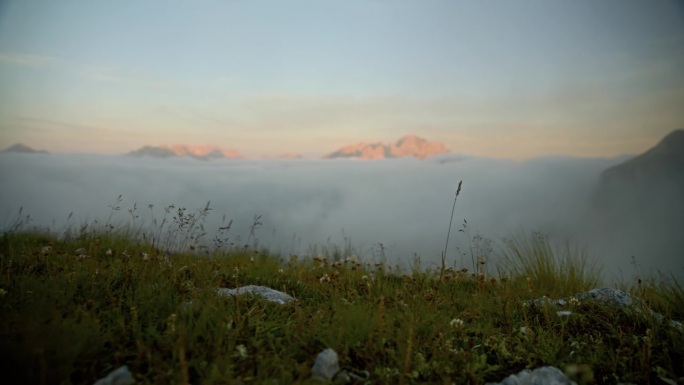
pixel 605 296
pixel 410 145
pixel 637 206
pixel 663 162
pixel 182 150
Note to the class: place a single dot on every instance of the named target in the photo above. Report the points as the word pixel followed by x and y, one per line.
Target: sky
pixel 497 79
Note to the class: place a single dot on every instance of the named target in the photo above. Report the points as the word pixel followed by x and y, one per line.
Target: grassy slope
pixel 71 319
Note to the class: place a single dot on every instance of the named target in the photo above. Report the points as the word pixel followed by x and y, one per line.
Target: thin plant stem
pixel 458 191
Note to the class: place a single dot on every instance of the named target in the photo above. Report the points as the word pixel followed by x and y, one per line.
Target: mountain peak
pixel 672 142
pixel 22 148
pixel 183 150
pixel 409 145
pixel 665 161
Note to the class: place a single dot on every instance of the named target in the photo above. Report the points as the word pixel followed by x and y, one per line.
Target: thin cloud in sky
pixel 21 59
pixel 111 73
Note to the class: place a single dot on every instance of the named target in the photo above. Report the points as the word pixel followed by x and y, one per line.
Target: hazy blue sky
pixel 498 78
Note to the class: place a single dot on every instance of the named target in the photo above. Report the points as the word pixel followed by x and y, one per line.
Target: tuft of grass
pixel 556 272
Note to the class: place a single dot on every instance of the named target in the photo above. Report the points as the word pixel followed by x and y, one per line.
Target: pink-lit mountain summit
pixel 409 145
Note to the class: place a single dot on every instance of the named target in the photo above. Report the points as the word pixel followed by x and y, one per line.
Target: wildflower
pixel 563 313
pixel 241 350
pixel 456 323
pixel 251 259
pixel 337 265
pixel 324 278
pixel 108 252
pixel 574 301
pixel 82 256
pixel 364 278
pixel 281 271
pixel 171 323
pixel 353 259
pixel 145 256
pixel 46 250
pixel 125 254
pixel 80 250
pixel 647 336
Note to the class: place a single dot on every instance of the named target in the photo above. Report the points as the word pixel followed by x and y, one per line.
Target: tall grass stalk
pixel 451 220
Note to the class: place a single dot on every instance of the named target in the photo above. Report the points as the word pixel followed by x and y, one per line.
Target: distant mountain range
pixel 24 149
pixel 409 145
pixel 181 150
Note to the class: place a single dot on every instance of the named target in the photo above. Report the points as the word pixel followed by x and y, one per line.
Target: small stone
pixel 326 365
pixel 120 376
pixel 546 375
pixel 266 292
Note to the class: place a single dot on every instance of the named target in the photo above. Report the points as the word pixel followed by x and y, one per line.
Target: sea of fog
pixel 388 210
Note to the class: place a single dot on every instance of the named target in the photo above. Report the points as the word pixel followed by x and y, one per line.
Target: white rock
pixel 326 365
pixel 120 376
pixel 266 292
pixel 546 375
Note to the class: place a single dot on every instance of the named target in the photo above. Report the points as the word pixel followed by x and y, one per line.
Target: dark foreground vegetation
pixel 78 305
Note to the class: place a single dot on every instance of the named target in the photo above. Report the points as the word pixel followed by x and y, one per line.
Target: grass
pixel 78 305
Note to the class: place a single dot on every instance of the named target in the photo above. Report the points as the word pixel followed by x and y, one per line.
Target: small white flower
pixel 80 250
pixel 145 256
pixel 456 323
pixel 574 301
pixel 251 259
pixel 108 252
pixel 281 271
pixel 324 278
pixel 241 350
pixel 125 253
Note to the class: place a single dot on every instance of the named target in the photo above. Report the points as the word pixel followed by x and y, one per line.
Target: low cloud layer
pixel 403 204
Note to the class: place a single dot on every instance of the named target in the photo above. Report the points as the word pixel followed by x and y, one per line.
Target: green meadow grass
pixel 79 305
